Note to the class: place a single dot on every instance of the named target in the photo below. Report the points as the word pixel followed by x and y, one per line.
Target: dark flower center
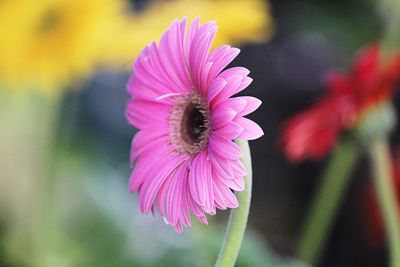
pixel 50 20
pixel 193 123
pixel 190 124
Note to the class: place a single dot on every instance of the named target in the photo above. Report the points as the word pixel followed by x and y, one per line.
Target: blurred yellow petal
pixel 46 43
pixel 239 21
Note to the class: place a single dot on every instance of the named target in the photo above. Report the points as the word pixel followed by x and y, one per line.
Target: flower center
pixel 49 21
pixel 190 124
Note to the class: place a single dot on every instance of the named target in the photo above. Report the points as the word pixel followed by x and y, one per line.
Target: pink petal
pixel 144 165
pixel 161 197
pixel 198 196
pixel 221 116
pixel 220 167
pixel 235 71
pixel 236 103
pixel 228 197
pixel 219 198
pixel 172 55
pixel 147 140
pixel 215 87
pixel 236 184
pixel 221 57
pixel 149 78
pixel 157 64
pixel 238 168
pixel 194 27
pixel 252 104
pixel 230 131
pixel 174 203
pixel 251 130
pixel 199 50
pixel 142 113
pixel 164 170
pixel 224 148
pixel 194 207
pixel 232 84
pixel 178 227
pixel 210 204
pixel 154 70
pixel 244 84
pixel 186 198
pixel 139 91
pixel 173 77
pixel 204 82
pixel 200 183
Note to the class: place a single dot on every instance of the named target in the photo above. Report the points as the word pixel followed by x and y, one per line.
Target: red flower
pixel 314 132
pixel 374 227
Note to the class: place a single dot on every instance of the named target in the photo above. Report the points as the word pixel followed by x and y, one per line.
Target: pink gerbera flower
pixel 185 159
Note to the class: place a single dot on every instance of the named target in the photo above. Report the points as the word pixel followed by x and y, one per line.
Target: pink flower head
pixel 314 132
pixel 185 159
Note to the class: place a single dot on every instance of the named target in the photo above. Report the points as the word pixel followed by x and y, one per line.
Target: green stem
pixel 45 209
pixel 324 208
pixel 380 156
pixel 29 122
pixel 238 217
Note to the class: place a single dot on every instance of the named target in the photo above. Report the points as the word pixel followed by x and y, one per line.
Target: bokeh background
pixel 64 140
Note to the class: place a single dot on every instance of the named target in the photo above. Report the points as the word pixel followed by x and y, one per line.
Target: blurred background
pixel 64 141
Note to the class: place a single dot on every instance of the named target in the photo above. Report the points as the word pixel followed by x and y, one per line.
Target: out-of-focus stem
pixel 390 14
pixel 26 158
pixel 238 217
pixel 381 161
pixel 327 200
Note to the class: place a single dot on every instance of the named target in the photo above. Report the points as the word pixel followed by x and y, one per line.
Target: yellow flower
pixel 45 43
pixel 239 21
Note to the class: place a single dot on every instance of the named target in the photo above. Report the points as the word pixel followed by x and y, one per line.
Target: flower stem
pixel 238 217
pixel 26 141
pixel 380 156
pixel 390 10
pixel 324 208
